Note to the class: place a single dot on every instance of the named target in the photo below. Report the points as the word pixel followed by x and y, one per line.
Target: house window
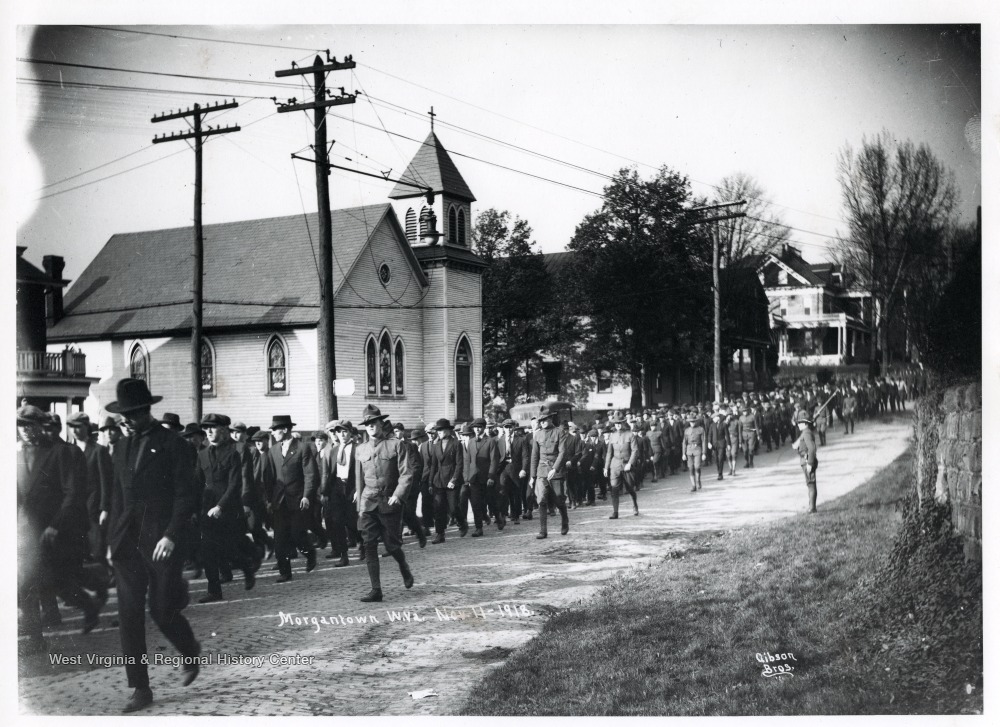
pixel 551 370
pixel 400 369
pixel 603 381
pixel 808 310
pixel 658 383
pixel 784 307
pixel 370 367
pixel 277 362
pixel 782 277
pixel 385 365
pixel 461 228
pixel 207 367
pixel 384 274
pixel 452 225
pixel 463 380
pixel 138 363
pixel 411 225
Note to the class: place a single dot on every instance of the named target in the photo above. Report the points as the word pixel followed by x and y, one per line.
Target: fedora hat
pixel 131 394
pixel 173 421
pixel 619 418
pixel 215 420
pixel 371 414
pixel 467 430
pixel 442 424
pixel 417 433
pixel 191 429
pixel 110 423
pixel 78 419
pixel 252 431
pixel 29 414
pixel 279 421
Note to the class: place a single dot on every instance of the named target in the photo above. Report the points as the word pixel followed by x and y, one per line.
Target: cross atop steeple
pixel 432 115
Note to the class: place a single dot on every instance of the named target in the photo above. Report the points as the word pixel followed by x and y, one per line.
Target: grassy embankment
pixel 871 596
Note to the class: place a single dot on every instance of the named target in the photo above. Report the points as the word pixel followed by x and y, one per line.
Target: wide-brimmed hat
pixel 173 421
pixel 547 412
pixel 279 421
pixel 803 417
pixel 417 433
pixel 252 431
pixel 131 394
pixel 467 430
pixel 30 414
pixel 478 422
pixel 618 418
pixel 215 420
pixel 260 436
pixel 110 423
pixel 372 414
pixel 692 417
pixel 442 424
pixel 191 429
pixel 78 419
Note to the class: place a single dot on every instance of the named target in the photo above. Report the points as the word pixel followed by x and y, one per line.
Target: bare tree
pixel 743 240
pixel 898 199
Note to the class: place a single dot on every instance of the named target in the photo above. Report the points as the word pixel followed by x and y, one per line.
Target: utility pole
pixel 326 348
pixel 717 358
pixel 197 133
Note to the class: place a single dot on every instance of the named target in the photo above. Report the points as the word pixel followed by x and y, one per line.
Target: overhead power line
pixel 177 36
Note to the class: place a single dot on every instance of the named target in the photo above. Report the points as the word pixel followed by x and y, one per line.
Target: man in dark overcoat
pixel 293 477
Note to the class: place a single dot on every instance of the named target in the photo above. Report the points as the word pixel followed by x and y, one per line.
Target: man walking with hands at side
pixel 384 475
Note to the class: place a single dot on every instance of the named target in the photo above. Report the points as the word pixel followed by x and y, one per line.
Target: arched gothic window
pixel 461 228
pixel 138 363
pixel 452 226
pixel 207 367
pixel 385 365
pixel 277 366
pixel 370 367
pixel 400 368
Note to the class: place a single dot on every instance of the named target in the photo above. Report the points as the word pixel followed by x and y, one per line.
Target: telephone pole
pixel 197 133
pixel 326 348
pixel 717 358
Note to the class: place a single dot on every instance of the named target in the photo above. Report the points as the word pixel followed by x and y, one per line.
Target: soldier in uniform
pixel 655 437
pixel 548 476
pixel 694 449
pixel 718 439
pixel 805 445
pixel 850 410
pixel 821 420
pixel 621 457
pixel 445 465
pixel 748 436
pixel 383 476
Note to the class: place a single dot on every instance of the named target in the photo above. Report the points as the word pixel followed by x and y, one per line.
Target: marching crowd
pixel 132 501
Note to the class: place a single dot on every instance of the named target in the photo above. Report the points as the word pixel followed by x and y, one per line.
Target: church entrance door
pixel 463 382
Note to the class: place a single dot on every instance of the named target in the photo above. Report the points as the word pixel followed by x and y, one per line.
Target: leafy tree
pixel 641 274
pixel 515 292
pixel 898 200
pixel 742 240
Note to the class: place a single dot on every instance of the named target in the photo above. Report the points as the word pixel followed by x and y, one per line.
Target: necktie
pixel 343 455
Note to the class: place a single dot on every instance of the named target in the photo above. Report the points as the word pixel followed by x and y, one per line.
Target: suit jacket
pixel 515 458
pixel 424 450
pixel 220 476
pixel 292 477
pixel 98 478
pixel 154 495
pixel 482 459
pixel 328 470
pixel 446 465
pixel 54 493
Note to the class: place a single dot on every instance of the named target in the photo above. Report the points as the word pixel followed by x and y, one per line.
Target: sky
pixel 778 102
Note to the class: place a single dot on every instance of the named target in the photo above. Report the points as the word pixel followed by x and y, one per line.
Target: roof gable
pixel 432 167
pixel 257 272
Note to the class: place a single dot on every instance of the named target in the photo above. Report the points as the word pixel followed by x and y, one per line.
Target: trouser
pixel 497 497
pixel 749 446
pixel 720 456
pixel 849 422
pixel 675 459
pixel 47 572
pixel 223 542
pixel 657 457
pixel 338 512
pixel 549 492
pixel 258 520
pixel 822 435
pixel 767 433
pixel 97 538
pixel 810 473
pixel 587 487
pixel 427 504
pixel 475 493
pixel 620 478
pixel 572 488
pixel 447 503
pixel 135 574
pixel 290 532
pixel 731 452
pixel 513 489
pixel 316 522
pixel 410 517
pixel 376 525
pixel 694 469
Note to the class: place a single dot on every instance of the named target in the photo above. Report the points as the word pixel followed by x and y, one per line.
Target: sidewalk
pixel 474 601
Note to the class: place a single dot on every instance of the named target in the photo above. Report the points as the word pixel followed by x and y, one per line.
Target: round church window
pixel 384 274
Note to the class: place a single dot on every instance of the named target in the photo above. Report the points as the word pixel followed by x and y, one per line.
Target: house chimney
pixel 54 265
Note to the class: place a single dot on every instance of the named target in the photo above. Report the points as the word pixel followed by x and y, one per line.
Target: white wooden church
pixel 408 324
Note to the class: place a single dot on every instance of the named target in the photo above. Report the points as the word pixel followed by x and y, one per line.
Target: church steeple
pixel 432 167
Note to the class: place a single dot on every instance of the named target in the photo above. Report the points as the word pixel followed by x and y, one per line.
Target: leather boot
pixel 404 569
pixel 565 518
pixel 812 498
pixel 543 517
pixel 373 569
pixel 614 505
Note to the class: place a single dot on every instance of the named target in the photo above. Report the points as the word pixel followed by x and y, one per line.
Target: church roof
pixel 257 273
pixel 432 167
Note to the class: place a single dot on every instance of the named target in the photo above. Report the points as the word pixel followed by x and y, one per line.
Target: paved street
pixel 448 637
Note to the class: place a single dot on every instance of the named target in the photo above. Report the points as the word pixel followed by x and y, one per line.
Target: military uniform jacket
pixel 621 450
pixel 748 426
pixel 733 432
pixel 383 470
pixel 806 446
pixel 694 440
pixel 292 476
pixel 850 403
pixel 548 453
pixel 153 494
pixel 655 437
pixel 446 462
pixel 219 475
pixel 482 459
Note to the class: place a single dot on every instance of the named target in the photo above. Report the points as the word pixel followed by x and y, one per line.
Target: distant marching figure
pixel 622 455
pixel 694 449
pixel 806 446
